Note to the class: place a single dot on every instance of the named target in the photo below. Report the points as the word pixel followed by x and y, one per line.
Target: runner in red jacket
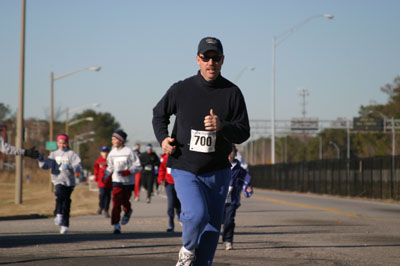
pixel 174 205
pixel 100 165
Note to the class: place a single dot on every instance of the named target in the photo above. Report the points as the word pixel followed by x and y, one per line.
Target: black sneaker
pixel 170 229
pixel 99 211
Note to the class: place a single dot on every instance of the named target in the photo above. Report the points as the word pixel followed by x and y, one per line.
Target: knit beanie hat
pixel 120 135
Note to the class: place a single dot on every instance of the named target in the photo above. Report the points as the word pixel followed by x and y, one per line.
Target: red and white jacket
pixel 164 173
pixel 99 166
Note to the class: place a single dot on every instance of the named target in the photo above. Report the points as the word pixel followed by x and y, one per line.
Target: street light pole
pixel 51 106
pixel 250 68
pixel 52 79
pixel 283 36
pixel 337 148
pixel 68 111
pixel 393 139
pixel 393 156
pixel 77 121
pixel 273 103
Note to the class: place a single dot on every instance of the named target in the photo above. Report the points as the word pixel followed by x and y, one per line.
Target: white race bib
pixel 203 141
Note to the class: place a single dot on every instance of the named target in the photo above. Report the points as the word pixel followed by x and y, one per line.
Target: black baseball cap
pixel 210 44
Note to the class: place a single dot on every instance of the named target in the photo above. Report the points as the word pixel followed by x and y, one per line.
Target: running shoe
pixel 185 257
pixel 117 229
pixel 126 217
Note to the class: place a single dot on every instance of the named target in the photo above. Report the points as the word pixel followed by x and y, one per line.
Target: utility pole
pixel 20 117
pixel 303 93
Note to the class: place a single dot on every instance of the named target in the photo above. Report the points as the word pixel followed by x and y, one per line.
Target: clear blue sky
pixel 145 46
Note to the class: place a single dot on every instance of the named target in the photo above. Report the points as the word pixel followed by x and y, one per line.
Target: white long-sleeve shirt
pixel 63 164
pixel 8 149
pixel 120 159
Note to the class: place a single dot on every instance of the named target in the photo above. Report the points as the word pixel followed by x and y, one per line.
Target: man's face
pixel 211 69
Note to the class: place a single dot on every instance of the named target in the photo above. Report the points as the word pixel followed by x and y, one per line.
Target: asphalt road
pixel 272 228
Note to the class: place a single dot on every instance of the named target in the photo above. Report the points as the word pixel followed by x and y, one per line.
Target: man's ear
pixel 198 60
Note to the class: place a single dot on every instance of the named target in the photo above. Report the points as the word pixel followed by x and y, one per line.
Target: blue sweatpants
pixel 104 198
pixel 202 200
pixel 174 204
pixel 63 202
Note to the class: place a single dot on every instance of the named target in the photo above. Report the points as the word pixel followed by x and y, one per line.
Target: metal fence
pixel 375 177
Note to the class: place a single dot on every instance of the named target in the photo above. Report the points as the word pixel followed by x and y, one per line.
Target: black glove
pixel 32 153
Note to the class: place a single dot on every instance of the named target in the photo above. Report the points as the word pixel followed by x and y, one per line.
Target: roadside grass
pixel 38 196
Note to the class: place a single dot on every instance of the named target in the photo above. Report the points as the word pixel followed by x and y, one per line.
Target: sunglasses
pixel 215 58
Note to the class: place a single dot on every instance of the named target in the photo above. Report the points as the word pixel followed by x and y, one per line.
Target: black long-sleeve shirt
pixel 190 101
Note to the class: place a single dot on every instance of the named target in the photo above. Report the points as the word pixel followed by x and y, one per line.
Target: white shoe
pixel 58 219
pixel 186 257
pixel 64 229
pixel 117 229
pixel 126 217
pixel 137 199
pixel 228 246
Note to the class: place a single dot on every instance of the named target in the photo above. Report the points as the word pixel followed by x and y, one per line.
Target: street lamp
pixel 275 42
pixel 250 68
pixel 52 79
pixel 68 111
pixel 78 121
pixel 336 147
pixel 78 145
pixel 81 137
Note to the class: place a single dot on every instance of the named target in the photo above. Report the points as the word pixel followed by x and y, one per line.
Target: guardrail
pixel 375 177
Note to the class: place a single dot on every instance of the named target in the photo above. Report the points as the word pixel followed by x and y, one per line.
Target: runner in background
pixel 122 165
pixel 240 182
pixel 65 164
pixel 149 161
pixel 174 205
pixel 138 176
pixel 99 166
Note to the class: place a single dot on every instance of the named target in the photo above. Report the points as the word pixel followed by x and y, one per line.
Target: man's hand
pixel 125 172
pixel 167 146
pixel 32 152
pixel 211 122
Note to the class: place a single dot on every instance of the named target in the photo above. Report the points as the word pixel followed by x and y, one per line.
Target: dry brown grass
pixel 38 197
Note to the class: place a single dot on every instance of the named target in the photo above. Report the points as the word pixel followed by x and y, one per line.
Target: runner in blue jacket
pixel 240 182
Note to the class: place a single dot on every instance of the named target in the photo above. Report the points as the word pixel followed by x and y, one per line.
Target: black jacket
pixel 190 101
pixel 149 161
